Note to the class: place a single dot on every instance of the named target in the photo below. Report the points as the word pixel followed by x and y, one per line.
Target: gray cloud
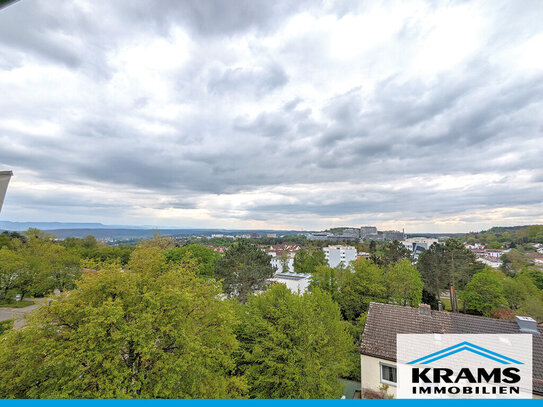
pixel 258 81
pixel 260 103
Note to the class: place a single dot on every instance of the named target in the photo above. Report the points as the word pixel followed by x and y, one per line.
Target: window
pixel 388 374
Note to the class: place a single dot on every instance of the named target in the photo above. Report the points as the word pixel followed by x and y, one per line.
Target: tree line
pixel 513 236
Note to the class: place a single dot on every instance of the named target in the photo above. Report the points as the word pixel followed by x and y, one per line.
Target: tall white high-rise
pixel 336 255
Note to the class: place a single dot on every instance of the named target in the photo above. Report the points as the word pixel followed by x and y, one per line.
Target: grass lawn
pixel 15 304
pixel 446 301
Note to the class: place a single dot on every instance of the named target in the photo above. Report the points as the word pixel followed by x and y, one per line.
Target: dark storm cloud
pixel 258 104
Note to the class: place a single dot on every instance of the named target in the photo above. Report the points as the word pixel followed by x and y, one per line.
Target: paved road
pixel 19 313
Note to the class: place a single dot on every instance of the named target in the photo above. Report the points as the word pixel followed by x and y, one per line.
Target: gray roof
pixel 385 321
pixel 6 173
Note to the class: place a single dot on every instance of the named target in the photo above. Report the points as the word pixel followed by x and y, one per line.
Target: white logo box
pixel 469 361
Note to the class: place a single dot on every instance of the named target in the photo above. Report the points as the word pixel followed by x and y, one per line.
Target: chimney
pixel 424 309
pixel 527 324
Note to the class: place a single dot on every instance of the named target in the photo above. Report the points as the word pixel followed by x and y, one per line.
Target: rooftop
pixel 385 321
pixel 291 276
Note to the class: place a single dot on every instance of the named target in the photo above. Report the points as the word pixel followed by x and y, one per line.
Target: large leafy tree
pixel 205 257
pixel 307 261
pixel 451 264
pixel 5 240
pixel 90 248
pixel 125 333
pixel 11 264
pixel 517 290
pixel 328 279
pixel 534 274
pixel 293 346
pixel 430 265
pixel 244 270
pixel 514 261
pixel 404 284
pixel 37 266
pixel 484 293
pixel 365 284
pixel 393 252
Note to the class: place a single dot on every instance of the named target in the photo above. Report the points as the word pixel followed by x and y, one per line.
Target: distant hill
pixel 101 231
pixel 19 226
pixel 502 229
pixel 509 234
pixel 148 233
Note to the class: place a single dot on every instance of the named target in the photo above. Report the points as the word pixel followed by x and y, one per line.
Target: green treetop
pixel 293 346
pixel 484 293
pixel 126 334
pixel 306 261
pixel 365 284
pixel 404 284
pixel 244 270
pixel 205 257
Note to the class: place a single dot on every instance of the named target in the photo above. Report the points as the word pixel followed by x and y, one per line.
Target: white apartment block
pixel 282 256
pixel 336 255
pixel 297 283
pixel 278 263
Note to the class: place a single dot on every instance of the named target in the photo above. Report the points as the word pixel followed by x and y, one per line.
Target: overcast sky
pixel 426 116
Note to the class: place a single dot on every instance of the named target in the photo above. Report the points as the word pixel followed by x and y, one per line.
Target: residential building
pixel 5 176
pixel 477 246
pixel 417 245
pixel 336 255
pixel 490 257
pixel 490 261
pixel 385 321
pixel 297 283
pixel 282 254
pixel 279 262
pixel 496 253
